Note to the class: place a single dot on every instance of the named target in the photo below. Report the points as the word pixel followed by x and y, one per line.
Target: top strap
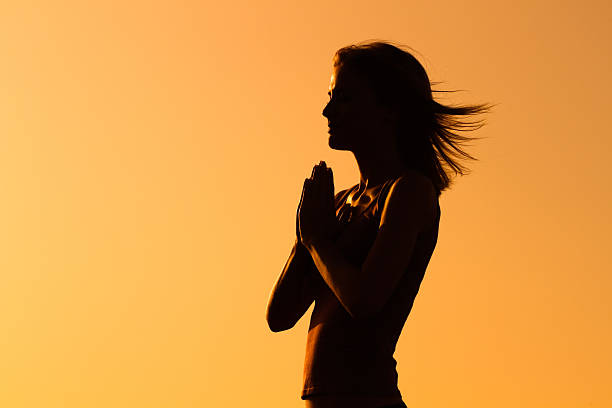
pixel 346 207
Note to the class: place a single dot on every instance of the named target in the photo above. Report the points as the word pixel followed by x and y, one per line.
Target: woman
pixel 361 254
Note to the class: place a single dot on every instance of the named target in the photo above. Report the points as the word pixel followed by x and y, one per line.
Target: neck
pixel 376 167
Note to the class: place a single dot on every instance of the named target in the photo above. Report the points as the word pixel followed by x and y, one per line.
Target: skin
pixel 362 126
pixel 359 124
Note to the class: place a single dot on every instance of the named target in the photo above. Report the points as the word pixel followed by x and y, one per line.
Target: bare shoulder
pixel 412 182
pixel 414 176
pixel 411 199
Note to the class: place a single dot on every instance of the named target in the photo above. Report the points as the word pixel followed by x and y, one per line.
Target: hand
pixel 317 213
pixel 297 214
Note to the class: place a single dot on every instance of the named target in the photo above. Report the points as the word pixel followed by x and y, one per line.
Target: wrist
pixel 313 243
pixel 300 248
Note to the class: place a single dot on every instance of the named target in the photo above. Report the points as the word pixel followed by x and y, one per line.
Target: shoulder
pixel 411 198
pixel 412 181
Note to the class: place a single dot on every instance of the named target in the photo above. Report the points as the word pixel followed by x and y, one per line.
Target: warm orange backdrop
pixel 152 159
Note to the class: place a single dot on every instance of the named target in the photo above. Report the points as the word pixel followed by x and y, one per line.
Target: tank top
pixel 355 356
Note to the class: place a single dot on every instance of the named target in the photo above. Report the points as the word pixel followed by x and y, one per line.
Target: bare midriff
pixel 350 401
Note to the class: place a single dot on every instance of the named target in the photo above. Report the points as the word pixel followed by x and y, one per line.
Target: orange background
pixel 152 160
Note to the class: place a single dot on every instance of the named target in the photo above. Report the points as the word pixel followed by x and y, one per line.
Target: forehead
pixel 343 79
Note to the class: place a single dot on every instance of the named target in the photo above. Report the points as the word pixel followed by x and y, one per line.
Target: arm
pixel 409 208
pixel 293 292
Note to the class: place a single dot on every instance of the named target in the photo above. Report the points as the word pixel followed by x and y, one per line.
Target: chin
pixel 335 143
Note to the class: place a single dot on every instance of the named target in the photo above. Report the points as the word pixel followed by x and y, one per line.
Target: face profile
pixel 354 116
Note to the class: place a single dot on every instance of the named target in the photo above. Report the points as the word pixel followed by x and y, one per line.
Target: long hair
pixel 426 134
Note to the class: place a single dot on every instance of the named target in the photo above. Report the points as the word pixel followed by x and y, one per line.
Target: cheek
pixel 361 123
pixel 355 117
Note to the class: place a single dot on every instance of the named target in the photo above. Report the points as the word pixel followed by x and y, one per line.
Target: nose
pixel 326 110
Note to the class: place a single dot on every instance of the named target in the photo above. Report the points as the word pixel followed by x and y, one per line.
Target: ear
pixel 390 114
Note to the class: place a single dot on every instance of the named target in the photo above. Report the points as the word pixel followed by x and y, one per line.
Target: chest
pixel 359 227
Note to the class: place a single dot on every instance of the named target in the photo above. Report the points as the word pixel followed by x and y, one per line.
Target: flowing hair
pixel 427 136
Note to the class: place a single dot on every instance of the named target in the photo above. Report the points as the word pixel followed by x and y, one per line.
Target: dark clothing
pixel 355 356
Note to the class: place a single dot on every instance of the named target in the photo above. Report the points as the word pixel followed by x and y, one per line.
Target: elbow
pixel 276 325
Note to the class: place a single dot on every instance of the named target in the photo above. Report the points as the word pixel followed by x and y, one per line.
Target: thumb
pixel 297 213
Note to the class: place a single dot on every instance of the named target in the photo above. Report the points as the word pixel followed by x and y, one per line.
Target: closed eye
pixel 338 95
pixel 337 92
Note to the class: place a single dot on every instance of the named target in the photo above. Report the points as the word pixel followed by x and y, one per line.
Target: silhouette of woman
pixel 361 254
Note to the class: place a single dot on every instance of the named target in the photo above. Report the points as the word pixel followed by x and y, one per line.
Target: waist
pixel 351 401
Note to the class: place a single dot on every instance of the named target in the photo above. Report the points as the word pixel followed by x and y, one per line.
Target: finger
pixel 322 175
pixel 322 183
pixel 305 202
pixel 326 181
pixel 302 195
pixel 314 177
pixel 321 168
pixel 307 182
pixel 315 193
pixel 297 214
pixel 307 188
pixel 330 184
pixel 314 171
pixel 329 177
pixel 330 189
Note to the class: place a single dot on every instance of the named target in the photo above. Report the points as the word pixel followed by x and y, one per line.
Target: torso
pixel 359 215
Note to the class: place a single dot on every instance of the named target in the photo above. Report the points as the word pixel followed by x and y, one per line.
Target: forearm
pixel 291 294
pixel 342 277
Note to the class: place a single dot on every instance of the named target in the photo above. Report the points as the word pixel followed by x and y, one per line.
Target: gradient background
pixel 152 160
